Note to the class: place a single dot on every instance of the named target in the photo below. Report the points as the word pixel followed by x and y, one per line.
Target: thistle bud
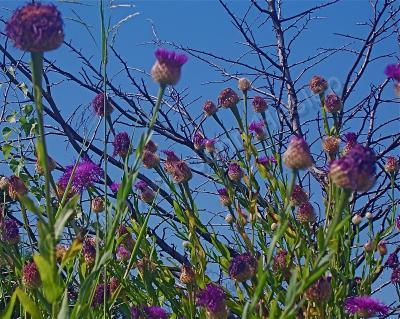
pixel 318 84
pixel 98 204
pixel 9 232
pixel 229 219
pixel 167 68
pixel 146 193
pixel 100 292
pixel 3 183
pixel 331 144
pixel 244 85
pixel 258 129
pixel 51 165
pixel 123 254
pixel 187 276
pixel 305 213
pixel 98 105
pixel 259 104
pixel 228 98
pixel 114 285
pixel 369 215
pixel 320 291
pixel 224 197
pixel 198 141
pixel 356 220
pixel 382 249
pixel 209 108
pixel 16 187
pixel 209 144
pixel 392 165
pixel 89 251
pixel 150 159
pixel 181 172
pixel 298 196
pixel 243 267
pixel 121 144
pixel 30 276
pixel 333 104
pixel 61 250
pixel 212 299
pixel 297 155
pixel 369 246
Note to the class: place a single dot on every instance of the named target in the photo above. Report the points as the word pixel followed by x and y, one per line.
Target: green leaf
pixel 50 280
pixel 28 305
pixel 64 311
pixel 6 149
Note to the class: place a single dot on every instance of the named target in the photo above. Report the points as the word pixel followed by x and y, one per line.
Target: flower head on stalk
pixel 170 161
pixel 209 108
pixel 123 254
pixel 318 84
pixel 331 144
pixel 265 161
pixel 392 71
pixel 224 197
pixel 9 232
pixel 98 204
pixel 86 174
pixel 297 155
pixel 198 141
pixel 36 28
pixel 16 187
pixel 212 298
pixel 167 68
pixel 51 165
pixel 209 144
pixel 392 261
pixel 100 292
pixel 151 146
pixel 30 276
pixel 259 104
pixel 258 129
pixel 243 267
pixel 365 306
pixel 228 98
pixel 89 250
pixel 392 165
pixel 121 144
pixel 244 85
pixel 305 213
pixel 299 196
pixel 146 193
pixel 235 173
pixel 351 140
pixel 333 103
pixel 181 172
pixel 320 291
pixel 395 276
pixel 356 170
pixel 98 104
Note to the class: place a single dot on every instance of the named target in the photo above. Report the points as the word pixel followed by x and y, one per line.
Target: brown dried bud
pixel 318 84
pixel 187 276
pixel 244 84
pixel 98 204
pixel 16 187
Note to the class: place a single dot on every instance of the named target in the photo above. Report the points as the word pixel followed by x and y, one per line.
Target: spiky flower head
pixel 392 165
pixel 150 159
pixel 393 260
pixel 333 103
pixel 305 213
pixel 282 263
pixel 331 144
pixel 365 306
pixel 229 218
pixel 243 267
pixel 395 276
pixel 151 146
pixel 114 284
pixel 89 250
pixel 86 174
pixel 135 313
pixel 181 172
pixel 209 108
pixel 30 276
pixel 146 192
pixel 98 105
pixel 98 204
pixel 36 28
pixel 16 187
pixel 198 141
pixel 297 155
pixel 100 292
pixel 170 161
pixel 259 104
pixel 51 165
pixel 320 291
pixel 382 248
pixel 212 298
pixel 121 144
pixel 228 98
pixel 224 197
pixel 123 254
pixel 235 173
pixel 209 144
pixel 266 162
pixel 244 84
pixel 9 232
pixel 392 71
pixel 114 187
pixel 318 84
pixel 126 236
pixel 167 68
pixel 356 170
pixel 187 276
pixel 257 127
pixel 61 250
pixel 299 196
pixel 351 140
pixel 3 183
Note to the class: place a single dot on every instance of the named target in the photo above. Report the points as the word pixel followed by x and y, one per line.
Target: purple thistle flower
pixel 86 174
pixel 141 185
pixel 224 197
pixel 155 312
pixel 89 250
pixel 297 155
pixel 30 276
pixel 115 187
pixel 392 165
pixel 257 127
pixel 209 108
pixel 298 196
pixel 266 161
pixel 9 232
pixel 198 141
pixel 365 306
pixel 228 98
pixel 392 71
pixel 333 104
pixel 135 313
pixel 351 140
pixel 209 144
pixel 36 28
pixel 355 170
pixel 121 144
pixel 392 261
pixel 167 69
pixel 212 298
pixel 235 172
pixel 98 105
pixel 243 267
pixel 146 193
pixel 98 297
pixel 123 254
pixel 259 104
pixel 395 276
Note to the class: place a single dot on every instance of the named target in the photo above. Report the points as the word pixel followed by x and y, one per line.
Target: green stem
pixel 324 116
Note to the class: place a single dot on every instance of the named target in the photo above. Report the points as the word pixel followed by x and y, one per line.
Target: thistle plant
pixel 233 206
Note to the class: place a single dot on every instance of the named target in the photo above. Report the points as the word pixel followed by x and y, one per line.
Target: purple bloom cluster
pixel 259 104
pixel 9 232
pixel 115 187
pixel 98 105
pixel 36 28
pixel 365 306
pixel 395 276
pixel 235 173
pixel 392 261
pixel 98 297
pixel 243 267
pixel 198 141
pixel 121 144
pixel 167 69
pixel 151 312
pixel 212 298
pixel 86 174
pixel 266 161
pixel 170 58
pixel 355 170
pixel 392 71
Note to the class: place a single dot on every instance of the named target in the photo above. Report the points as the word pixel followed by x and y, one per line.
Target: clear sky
pixel 201 25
